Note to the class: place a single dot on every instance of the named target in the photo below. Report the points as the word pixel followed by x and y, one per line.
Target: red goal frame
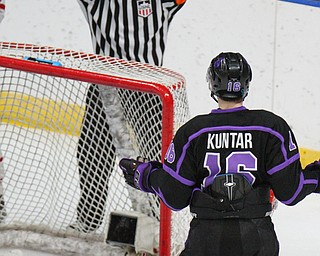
pixel 123 83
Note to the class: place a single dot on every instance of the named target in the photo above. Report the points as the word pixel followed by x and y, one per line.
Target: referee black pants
pixel 96 151
pixel 231 237
pixel 96 160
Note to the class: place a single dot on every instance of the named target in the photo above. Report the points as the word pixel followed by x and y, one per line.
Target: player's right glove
pixel 137 172
pixel 315 167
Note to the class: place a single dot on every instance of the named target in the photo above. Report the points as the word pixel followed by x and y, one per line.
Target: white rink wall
pixel 279 39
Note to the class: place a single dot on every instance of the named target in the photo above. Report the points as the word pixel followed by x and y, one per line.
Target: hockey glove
pixel 315 167
pixel 137 173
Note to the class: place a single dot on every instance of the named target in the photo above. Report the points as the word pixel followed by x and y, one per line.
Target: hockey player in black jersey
pixel 223 165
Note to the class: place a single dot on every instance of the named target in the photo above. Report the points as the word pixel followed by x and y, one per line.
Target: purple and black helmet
pixel 228 76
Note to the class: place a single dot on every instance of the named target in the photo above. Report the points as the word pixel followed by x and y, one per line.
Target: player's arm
pixel 151 177
pixel 292 184
pixel 289 181
pixel 165 180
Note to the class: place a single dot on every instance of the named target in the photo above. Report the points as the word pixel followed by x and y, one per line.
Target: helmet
pixel 228 76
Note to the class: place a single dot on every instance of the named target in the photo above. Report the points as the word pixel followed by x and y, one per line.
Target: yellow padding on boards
pixel 27 111
pixel 308 156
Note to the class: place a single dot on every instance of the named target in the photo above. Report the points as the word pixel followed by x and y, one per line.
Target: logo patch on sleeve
pixel 170 155
pixel 292 145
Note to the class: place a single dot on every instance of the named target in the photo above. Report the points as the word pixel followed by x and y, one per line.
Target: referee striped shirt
pixel 130 29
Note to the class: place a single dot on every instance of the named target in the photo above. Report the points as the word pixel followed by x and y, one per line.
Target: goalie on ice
pixel 228 187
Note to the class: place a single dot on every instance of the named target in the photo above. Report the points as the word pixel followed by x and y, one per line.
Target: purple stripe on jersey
pixel 160 194
pixel 177 176
pixel 230 128
pixel 219 110
pixel 311 182
pixel 301 183
pixel 284 164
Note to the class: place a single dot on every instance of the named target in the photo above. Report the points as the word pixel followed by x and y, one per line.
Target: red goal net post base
pixel 42 104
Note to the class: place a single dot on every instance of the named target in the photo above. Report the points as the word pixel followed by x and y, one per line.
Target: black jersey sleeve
pixel 289 181
pixel 175 182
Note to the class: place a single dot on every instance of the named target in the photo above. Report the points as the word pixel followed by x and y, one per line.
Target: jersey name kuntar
pixel 131 29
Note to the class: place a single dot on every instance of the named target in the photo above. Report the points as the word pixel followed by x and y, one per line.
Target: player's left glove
pixel 315 167
pixel 137 172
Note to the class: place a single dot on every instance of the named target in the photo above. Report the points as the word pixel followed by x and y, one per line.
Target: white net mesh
pixel 61 139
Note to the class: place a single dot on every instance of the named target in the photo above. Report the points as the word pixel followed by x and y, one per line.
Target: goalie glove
pixel 137 173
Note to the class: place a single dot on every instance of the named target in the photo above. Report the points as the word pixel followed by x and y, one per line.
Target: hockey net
pixel 43 101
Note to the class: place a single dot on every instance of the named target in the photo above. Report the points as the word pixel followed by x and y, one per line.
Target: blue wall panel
pixel 315 3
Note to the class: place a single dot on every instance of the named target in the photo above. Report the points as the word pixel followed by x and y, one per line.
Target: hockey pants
pixel 231 237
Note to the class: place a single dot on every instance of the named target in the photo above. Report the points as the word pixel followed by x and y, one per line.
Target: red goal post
pixel 84 69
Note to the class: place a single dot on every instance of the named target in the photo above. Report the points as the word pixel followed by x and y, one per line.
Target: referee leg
pixel 96 159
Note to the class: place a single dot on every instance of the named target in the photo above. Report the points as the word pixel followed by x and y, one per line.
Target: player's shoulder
pixel 195 123
pixel 269 118
pixel 266 114
pixel 198 118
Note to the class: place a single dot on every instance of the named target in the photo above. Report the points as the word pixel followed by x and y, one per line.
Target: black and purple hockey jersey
pixel 256 143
